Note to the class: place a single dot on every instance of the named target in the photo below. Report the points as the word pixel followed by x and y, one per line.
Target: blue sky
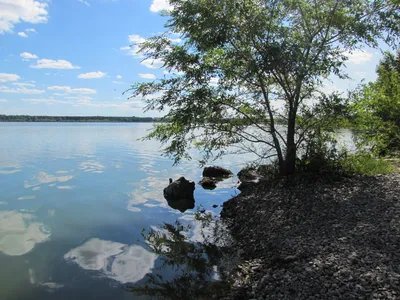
pixel 72 57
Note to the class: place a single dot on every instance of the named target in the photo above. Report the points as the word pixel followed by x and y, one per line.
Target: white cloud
pixel 177 40
pixel 147 76
pixel 329 88
pixel 28 56
pixel 33 30
pixel 84 2
pixel 119 76
pixel 46 101
pixel 15 11
pixel 19 90
pixel 22 34
pixel 153 63
pixel 135 41
pixel 92 75
pixel 23 84
pixel 3 100
pixel 159 5
pixel 4 77
pixel 70 90
pixel 118 82
pixel 53 64
pixel 358 57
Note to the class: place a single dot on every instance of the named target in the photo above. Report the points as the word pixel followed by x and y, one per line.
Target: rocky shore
pixel 313 238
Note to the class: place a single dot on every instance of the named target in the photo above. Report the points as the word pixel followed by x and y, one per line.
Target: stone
pixel 208 183
pixel 217 172
pixel 180 194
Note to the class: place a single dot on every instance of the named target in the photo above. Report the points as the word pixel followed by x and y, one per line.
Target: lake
pixel 74 199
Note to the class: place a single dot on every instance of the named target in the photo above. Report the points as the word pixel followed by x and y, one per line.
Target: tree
pixel 240 59
pixel 376 108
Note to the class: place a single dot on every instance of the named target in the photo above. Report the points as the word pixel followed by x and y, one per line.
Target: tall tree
pixel 376 108
pixel 240 59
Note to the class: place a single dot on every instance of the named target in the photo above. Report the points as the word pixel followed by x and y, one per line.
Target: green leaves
pixel 239 58
pixel 376 109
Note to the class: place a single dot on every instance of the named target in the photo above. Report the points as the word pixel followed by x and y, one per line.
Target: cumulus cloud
pixel 70 90
pixel 5 77
pixel 53 64
pixel 160 5
pixel 28 56
pixel 92 75
pixel 147 76
pixel 22 34
pixel 15 11
pixel 135 41
pixel 119 76
pixel 153 63
pixel 33 30
pixel 358 57
pixel 19 90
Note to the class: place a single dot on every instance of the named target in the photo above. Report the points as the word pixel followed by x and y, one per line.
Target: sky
pixel 73 57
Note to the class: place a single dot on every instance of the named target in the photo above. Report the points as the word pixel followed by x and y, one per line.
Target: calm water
pixel 74 199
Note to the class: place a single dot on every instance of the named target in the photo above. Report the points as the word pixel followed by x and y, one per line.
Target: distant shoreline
pixel 77 119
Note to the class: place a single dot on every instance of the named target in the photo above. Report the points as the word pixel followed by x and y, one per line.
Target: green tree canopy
pixel 377 108
pixel 240 59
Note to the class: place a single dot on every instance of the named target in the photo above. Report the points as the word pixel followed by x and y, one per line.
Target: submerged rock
pixel 208 183
pixel 217 172
pixel 179 194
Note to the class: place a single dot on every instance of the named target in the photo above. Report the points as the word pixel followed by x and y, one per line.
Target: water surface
pixel 74 199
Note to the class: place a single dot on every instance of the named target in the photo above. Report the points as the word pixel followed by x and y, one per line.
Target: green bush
pixel 364 163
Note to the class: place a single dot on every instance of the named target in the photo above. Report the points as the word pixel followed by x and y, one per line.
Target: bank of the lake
pixel 314 238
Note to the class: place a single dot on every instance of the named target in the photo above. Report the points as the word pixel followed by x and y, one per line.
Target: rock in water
pixel 179 194
pixel 216 172
pixel 208 183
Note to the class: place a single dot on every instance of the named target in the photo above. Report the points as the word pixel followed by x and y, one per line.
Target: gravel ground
pixel 317 239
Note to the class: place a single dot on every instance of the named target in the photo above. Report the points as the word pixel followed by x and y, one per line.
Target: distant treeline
pixel 23 118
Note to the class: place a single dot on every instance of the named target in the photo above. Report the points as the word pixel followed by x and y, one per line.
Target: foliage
pixel 243 65
pixel 377 108
pixel 364 163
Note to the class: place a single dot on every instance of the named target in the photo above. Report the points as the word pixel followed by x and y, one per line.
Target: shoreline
pixel 313 238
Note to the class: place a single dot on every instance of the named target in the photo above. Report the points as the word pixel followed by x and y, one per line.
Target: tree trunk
pixel 290 157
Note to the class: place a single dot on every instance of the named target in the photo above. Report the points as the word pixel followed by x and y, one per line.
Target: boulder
pixel 248 178
pixel 249 174
pixel 216 172
pixel 179 194
pixel 208 183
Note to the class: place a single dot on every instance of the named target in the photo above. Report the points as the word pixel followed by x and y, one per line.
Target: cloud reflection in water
pixel 19 234
pixel 118 261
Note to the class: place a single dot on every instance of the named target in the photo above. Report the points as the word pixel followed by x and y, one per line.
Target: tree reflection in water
pixel 193 263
